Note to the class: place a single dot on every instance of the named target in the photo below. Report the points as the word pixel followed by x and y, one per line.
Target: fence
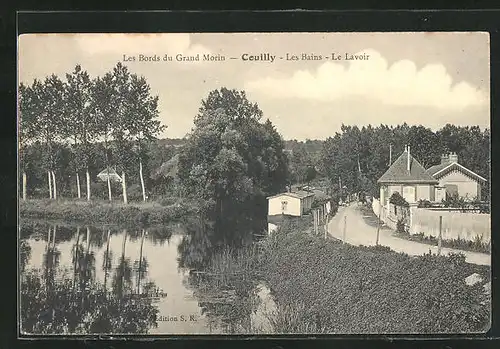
pixel 466 226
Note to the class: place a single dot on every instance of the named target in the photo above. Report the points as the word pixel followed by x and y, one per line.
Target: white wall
pixel 408 193
pixel 424 191
pixel 467 226
pixel 293 207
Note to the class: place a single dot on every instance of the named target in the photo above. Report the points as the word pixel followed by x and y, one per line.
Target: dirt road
pixel 361 229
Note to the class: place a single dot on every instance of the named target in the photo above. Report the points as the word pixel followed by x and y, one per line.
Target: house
pixel 291 203
pixel 455 179
pixel 409 178
pixel 113 176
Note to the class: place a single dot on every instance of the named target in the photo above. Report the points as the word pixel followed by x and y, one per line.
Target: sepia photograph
pixel 254 183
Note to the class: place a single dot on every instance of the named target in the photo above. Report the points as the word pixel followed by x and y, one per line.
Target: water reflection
pixel 84 279
pixel 230 301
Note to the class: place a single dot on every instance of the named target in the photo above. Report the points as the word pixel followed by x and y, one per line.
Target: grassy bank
pixel 323 286
pixel 347 289
pixel 461 244
pixel 148 213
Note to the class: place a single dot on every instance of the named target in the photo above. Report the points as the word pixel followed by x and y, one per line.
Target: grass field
pixel 137 213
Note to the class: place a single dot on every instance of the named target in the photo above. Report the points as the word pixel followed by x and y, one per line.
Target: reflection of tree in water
pixel 141 265
pixel 159 235
pixel 24 254
pixel 122 279
pixel 75 302
pixel 51 258
pixel 83 262
pixel 196 247
pixel 229 303
pixel 228 300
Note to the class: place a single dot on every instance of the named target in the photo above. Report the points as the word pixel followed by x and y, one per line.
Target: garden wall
pixel 466 226
pixel 386 215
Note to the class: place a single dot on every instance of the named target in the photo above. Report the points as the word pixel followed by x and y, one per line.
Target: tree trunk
pixel 24 186
pixel 78 185
pixel 109 187
pixel 142 181
pixel 88 184
pixel 50 184
pixel 54 184
pixel 124 188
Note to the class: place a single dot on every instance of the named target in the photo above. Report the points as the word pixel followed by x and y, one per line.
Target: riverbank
pixel 321 285
pixel 102 212
pixel 325 286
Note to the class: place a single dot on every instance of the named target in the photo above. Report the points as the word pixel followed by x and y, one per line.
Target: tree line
pixel 77 121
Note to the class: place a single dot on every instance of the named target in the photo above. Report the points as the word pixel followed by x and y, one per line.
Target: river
pixel 111 280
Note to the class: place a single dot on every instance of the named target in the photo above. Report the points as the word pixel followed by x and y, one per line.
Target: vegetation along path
pixel 358 232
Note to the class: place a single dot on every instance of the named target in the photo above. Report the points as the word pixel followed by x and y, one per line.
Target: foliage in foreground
pixel 338 288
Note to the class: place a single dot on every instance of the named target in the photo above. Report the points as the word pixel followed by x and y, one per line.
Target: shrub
pixel 347 289
pixel 424 204
pixel 401 226
pixel 398 200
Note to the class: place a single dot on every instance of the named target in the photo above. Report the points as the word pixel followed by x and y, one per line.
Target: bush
pixel 398 200
pixel 401 226
pixel 424 204
pixel 347 289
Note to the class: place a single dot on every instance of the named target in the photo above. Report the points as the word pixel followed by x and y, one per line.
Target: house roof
pixel 103 175
pixel 438 171
pixel 300 194
pixel 398 172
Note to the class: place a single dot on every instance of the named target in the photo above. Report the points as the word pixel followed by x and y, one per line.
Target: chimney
pixel 444 159
pixel 453 157
pixel 408 162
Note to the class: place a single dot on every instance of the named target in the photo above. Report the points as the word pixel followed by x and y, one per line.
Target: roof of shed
pixel 300 194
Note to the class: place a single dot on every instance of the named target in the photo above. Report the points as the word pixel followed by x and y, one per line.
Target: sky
pixel 428 79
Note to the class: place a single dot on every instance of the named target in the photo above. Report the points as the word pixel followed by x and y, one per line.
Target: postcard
pixel 254 183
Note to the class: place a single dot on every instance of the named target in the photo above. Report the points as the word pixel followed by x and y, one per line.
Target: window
pixel 284 205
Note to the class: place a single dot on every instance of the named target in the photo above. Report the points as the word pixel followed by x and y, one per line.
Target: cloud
pixel 134 44
pixel 400 84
